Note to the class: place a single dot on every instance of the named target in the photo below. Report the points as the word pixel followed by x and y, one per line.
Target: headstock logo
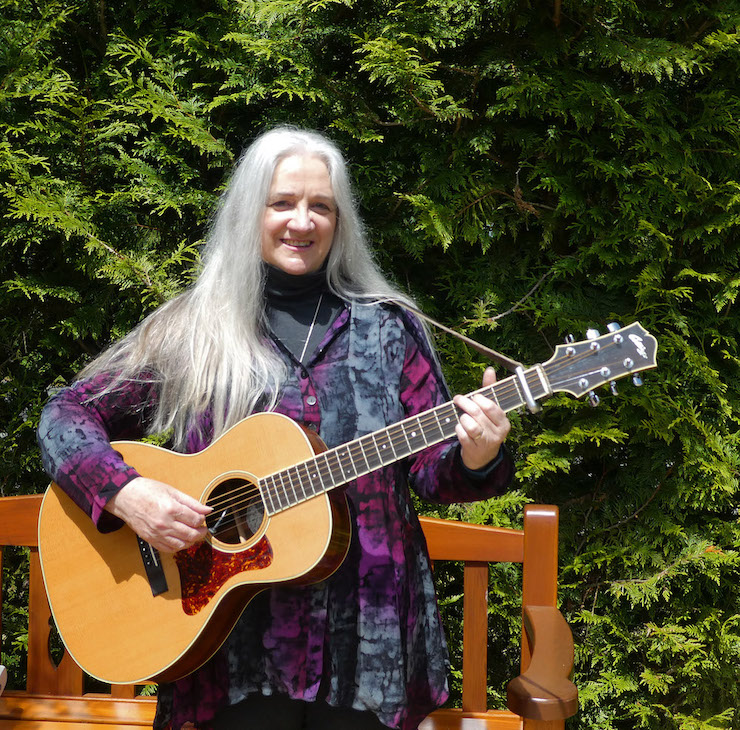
pixel 639 344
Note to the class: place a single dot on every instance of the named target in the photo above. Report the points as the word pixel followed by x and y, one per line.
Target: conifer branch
pixel 518 304
pixel 652 496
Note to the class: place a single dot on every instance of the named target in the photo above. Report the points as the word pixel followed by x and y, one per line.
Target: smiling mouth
pixel 296 244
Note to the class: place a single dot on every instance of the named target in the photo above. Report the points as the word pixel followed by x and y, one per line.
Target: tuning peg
pixel 614 328
pixel 593 399
pixel 637 379
pixel 593 334
pixel 613 388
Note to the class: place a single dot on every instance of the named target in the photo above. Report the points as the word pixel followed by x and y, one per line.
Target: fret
pixel 277 488
pixel 266 493
pixel 294 477
pixel 359 446
pixel 277 493
pixel 441 426
pixel 314 477
pixel 300 477
pixel 345 463
pixel 423 431
pixel 335 469
pixel 405 434
pixel 388 442
pixel 303 479
pixel 326 474
pixel 415 436
pixel 510 394
pixel 399 445
pixel 448 420
pixel 432 427
pixel 291 475
pixel 373 457
pixel 381 451
pixel 293 490
pixel 356 458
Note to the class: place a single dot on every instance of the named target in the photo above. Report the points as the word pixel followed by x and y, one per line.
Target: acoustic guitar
pixel 128 614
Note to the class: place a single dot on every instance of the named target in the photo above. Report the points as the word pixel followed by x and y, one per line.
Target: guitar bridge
pixel 153 567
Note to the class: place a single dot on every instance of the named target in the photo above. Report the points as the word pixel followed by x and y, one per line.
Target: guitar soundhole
pixel 238 511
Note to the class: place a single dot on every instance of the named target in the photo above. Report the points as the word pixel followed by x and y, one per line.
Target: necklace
pixel 310 329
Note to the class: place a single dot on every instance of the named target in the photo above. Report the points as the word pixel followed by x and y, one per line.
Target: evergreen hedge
pixel 525 169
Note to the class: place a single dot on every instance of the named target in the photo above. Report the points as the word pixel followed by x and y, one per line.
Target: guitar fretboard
pixel 338 466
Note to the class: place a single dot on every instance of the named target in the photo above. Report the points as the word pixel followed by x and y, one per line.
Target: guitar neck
pixel 336 467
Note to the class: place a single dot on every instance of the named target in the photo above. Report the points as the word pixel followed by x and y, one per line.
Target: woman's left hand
pixel 482 427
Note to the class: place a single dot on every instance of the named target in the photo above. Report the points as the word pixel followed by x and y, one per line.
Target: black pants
pixel 278 712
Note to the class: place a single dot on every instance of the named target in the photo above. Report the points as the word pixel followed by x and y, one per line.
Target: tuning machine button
pixel 570 350
pixel 637 379
pixel 593 334
pixel 614 328
pixel 593 399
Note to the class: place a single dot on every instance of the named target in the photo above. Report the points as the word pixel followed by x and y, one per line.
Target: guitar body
pixel 99 591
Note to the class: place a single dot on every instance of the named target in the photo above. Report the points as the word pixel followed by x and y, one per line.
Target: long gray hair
pixel 205 348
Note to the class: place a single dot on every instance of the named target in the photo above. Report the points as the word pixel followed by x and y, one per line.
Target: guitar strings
pixel 355 451
pixel 506 388
pixel 356 458
pixel 239 498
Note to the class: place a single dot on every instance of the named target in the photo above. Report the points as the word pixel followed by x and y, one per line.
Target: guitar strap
pixel 377 342
pixel 507 362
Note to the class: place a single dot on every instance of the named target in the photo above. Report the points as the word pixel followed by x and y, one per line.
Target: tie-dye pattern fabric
pixel 369 637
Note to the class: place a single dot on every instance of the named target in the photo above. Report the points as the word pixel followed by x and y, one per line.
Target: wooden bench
pixel 538 699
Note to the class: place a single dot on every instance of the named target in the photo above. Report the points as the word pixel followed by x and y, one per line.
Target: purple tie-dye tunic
pixel 368 637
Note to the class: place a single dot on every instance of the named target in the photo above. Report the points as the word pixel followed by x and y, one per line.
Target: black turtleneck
pixel 291 305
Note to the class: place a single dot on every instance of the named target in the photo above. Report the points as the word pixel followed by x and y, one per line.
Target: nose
pixel 301 220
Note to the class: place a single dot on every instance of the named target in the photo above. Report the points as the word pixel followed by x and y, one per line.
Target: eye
pixel 281 205
pixel 323 208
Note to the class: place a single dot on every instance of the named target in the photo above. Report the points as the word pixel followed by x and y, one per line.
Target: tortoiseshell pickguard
pixel 203 570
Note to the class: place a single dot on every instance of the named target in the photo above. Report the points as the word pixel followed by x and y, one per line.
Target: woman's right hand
pixel 169 520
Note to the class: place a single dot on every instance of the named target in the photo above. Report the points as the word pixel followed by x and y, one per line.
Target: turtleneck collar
pixel 281 285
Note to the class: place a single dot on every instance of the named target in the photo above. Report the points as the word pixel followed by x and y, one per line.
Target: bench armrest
pixel 544 691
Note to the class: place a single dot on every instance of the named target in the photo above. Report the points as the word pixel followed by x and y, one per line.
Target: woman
pixel 290 314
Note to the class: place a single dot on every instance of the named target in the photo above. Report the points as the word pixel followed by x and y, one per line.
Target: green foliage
pixel 526 169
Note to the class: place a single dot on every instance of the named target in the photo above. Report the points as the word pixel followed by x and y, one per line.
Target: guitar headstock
pixel 579 367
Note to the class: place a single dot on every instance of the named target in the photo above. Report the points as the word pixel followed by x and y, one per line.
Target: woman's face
pixel 300 217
